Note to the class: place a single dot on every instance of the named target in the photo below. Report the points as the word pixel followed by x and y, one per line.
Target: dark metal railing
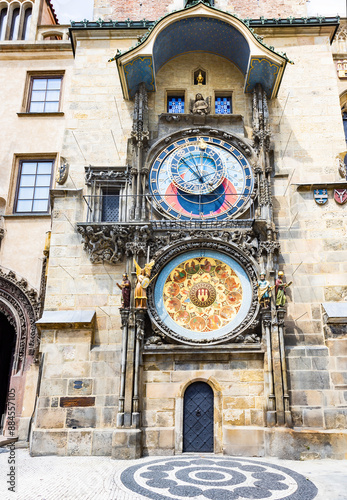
pixel 127 208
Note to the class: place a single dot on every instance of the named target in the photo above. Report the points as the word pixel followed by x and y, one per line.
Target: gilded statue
pixel 125 286
pixel 200 106
pixel 143 275
pixel 281 290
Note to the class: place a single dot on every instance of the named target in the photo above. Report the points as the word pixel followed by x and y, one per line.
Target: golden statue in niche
pixel 200 78
pixel 142 283
pixel 202 294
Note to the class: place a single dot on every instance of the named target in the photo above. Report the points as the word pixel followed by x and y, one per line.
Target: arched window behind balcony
pixel 26 23
pixel 14 24
pixel 3 23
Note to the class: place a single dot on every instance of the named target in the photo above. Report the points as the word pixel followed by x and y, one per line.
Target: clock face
pixel 202 295
pixel 201 178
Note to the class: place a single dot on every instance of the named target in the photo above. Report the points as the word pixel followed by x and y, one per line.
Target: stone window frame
pixel 101 179
pixel 30 77
pixel 14 182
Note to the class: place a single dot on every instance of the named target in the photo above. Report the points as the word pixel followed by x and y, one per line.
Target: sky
pixel 77 10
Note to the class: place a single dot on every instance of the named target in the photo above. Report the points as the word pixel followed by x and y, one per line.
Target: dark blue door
pixel 198 418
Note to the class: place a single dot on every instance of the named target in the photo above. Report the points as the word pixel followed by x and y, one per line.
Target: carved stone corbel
pixel 104 243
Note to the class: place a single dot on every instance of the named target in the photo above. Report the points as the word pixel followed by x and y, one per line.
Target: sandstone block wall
pixel 153 10
pixel 238 384
pixel 221 77
pixel 77 406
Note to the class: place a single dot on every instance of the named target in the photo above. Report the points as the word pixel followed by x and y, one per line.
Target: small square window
pixel 175 104
pixel 34 182
pixel 223 105
pixel 44 94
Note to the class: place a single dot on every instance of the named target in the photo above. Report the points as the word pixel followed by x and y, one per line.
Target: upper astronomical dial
pixel 197 168
pixel 201 178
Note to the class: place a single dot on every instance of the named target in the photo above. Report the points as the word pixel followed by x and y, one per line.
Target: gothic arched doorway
pixel 7 348
pixel 198 418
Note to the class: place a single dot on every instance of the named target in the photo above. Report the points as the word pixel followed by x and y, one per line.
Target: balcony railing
pixel 206 210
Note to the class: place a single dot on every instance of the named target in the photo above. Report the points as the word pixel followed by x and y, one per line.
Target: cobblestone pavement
pixel 185 477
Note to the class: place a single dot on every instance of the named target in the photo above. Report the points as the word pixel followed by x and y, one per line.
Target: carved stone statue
pixel 62 172
pixel 125 286
pixel 200 106
pixel 142 283
pixel 264 291
pixel 281 290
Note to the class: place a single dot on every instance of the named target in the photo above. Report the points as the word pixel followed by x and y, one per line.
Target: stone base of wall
pixel 87 442
pixel 286 444
pixel 126 444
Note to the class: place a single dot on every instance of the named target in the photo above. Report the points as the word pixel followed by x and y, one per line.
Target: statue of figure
pixel 200 106
pixel 281 290
pixel 264 291
pixel 142 283
pixel 125 286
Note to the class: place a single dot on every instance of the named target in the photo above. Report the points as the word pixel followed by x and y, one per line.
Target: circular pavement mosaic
pixel 216 479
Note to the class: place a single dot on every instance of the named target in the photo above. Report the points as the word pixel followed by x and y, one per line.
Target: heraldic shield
pixel 320 196
pixel 340 196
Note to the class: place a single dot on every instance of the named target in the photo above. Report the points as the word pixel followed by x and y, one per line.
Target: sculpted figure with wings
pixel 142 283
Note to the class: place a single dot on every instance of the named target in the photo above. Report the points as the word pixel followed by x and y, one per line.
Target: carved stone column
pixel 140 137
pixel 277 370
pixel 140 332
pixel 287 412
pixel 271 403
pixel 125 320
pixel 261 143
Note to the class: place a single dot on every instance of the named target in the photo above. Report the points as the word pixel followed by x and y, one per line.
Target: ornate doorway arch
pixel 19 311
pixel 7 347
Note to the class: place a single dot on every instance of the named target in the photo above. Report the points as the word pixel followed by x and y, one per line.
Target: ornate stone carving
pixel 93 174
pixel 261 127
pixel 62 171
pixel 245 240
pixel 231 250
pixel 140 325
pixel 21 306
pixel 110 242
pixel 200 106
pixel 269 247
pixel 342 168
pixel 140 131
pixel 104 243
pixel 249 338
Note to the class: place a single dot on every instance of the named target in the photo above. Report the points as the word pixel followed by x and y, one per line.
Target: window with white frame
pixel 34 183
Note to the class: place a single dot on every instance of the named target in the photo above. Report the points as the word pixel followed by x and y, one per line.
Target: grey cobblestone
pixel 98 478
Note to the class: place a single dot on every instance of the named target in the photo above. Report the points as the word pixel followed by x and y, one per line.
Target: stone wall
pixel 237 381
pixel 77 405
pixel 153 10
pixel 308 134
pixel 221 76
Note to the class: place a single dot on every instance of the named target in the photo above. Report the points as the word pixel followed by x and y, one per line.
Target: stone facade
pixel 150 9
pixel 114 379
pixel 23 248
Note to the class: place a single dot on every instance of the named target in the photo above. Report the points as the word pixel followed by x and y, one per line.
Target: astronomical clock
pixel 203 291
pixel 201 178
